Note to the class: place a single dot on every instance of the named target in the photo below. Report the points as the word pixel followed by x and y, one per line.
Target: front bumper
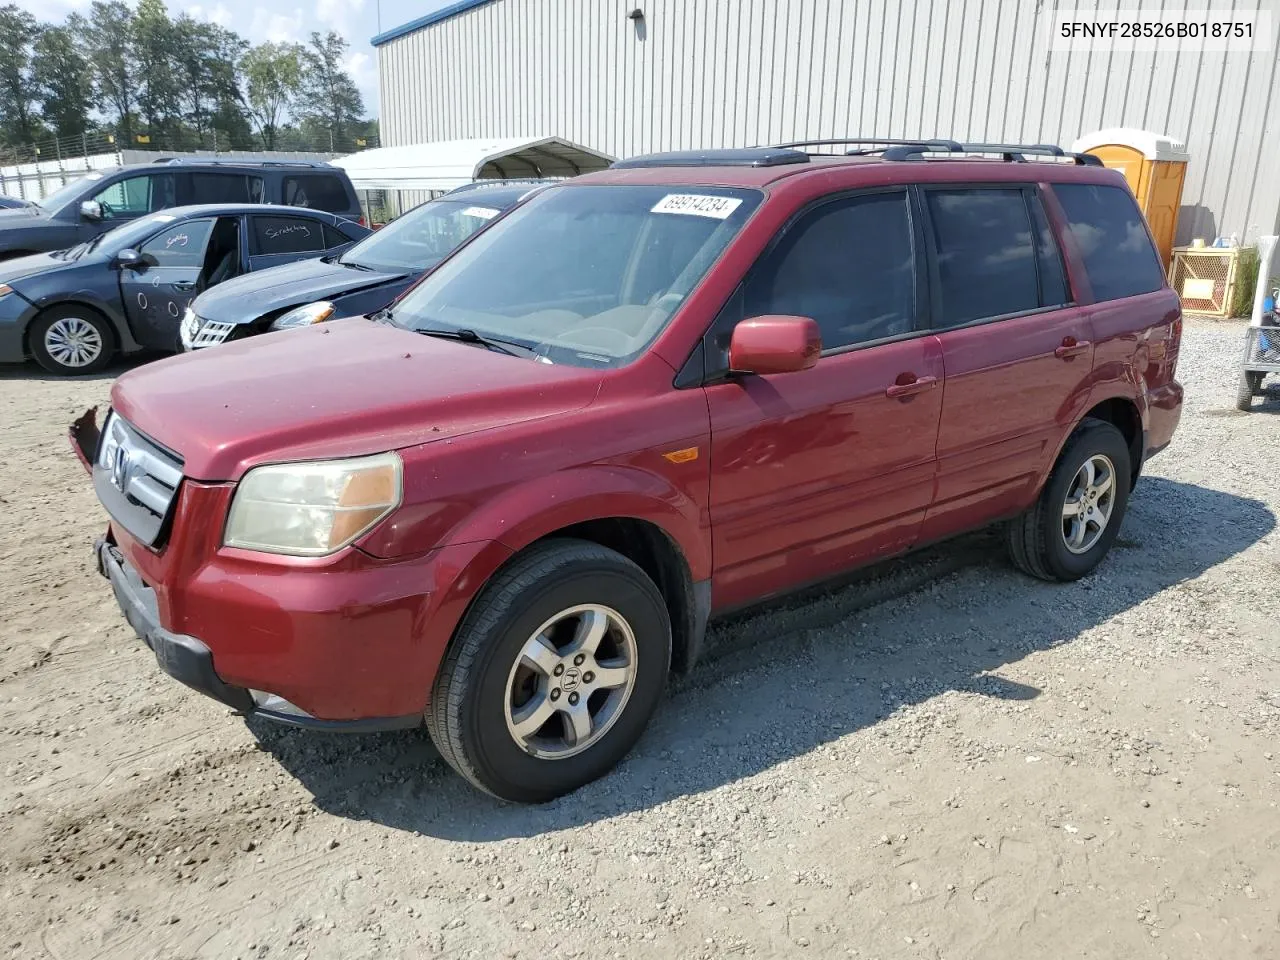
pixel 189 661
pixel 15 314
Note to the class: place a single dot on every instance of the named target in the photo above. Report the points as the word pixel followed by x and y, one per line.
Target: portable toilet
pixel 1155 166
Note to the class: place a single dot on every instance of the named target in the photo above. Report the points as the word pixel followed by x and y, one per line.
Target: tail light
pixel 361 221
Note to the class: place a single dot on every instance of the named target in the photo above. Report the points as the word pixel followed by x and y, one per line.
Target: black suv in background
pixel 102 200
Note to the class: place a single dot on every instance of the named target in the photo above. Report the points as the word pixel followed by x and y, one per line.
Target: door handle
pixel 919 385
pixel 1071 347
pixel 184 285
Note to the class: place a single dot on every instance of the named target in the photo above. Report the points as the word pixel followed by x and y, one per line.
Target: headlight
pixel 5 288
pixel 312 509
pixel 303 316
pixel 189 328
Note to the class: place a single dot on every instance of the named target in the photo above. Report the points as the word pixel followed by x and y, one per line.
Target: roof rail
pixel 216 162
pixel 749 157
pixel 1010 152
pixel 886 142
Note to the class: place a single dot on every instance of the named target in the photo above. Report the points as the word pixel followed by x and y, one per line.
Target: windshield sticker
pixel 484 213
pixel 697 205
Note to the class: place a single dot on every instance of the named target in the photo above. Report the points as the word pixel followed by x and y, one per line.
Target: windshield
pixel 423 236
pixel 587 275
pixel 60 198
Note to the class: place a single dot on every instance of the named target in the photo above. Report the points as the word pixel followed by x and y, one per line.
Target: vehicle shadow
pixel 30 370
pixel 783 681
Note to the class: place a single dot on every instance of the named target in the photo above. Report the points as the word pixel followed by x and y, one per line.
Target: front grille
pixel 136 479
pixel 210 334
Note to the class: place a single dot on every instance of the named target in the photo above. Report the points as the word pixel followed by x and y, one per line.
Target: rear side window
pixel 225 188
pixel 849 265
pixel 318 191
pixel 272 235
pixel 333 237
pixel 986 255
pixel 1113 241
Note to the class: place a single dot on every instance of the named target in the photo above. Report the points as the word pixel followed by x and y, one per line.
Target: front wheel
pixel 553 674
pixel 1078 514
pixel 71 341
pixel 1250 385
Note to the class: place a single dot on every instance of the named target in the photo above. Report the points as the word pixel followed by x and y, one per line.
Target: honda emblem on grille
pixel 120 469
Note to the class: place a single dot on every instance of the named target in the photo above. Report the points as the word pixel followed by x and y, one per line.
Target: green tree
pixel 63 81
pixel 18 118
pixel 154 42
pixel 272 76
pixel 206 58
pixel 329 97
pixel 108 43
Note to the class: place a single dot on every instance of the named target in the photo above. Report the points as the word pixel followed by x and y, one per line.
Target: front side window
pixel 1113 241
pixel 181 245
pixel 134 196
pixel 986 255
pixel 422 237
pixel 587 275
pixel 849 265
pixel 274 235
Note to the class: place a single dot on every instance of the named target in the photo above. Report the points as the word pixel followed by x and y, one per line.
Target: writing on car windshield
pixel 583 274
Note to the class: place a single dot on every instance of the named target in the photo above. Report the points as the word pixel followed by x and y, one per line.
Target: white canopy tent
pixel 440 166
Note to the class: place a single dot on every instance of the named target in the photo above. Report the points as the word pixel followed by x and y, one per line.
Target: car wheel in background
pixel 1078 514
pixel 71 340
pixel 554 672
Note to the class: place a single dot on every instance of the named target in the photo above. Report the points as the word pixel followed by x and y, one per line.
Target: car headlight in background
pixel 303 316
pixel 312 509
pixel 189 327
pixel 5 288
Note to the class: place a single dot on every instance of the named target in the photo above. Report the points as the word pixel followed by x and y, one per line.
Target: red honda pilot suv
pixel 507 506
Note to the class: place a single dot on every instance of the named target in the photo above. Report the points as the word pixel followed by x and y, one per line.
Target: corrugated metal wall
pixel 707 73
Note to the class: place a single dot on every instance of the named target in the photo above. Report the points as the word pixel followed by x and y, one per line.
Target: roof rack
pixel 211 161
pixel 749 157
pixel 893 149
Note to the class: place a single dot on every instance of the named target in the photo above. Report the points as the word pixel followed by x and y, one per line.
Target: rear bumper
pixel 1164 411
pixel 190 661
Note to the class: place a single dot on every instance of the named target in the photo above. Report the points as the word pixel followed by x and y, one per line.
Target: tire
pixel 71 341
pixel 478 701
pixel 1038 539
pixel 1250 385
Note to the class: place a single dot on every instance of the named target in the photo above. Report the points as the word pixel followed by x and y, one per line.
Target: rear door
pixel 278 238
pixel 818 471
pixel 158 292
pixel 1017 352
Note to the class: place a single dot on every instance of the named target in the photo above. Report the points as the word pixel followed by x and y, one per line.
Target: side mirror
pixel 774 344
pixel 130 258
pixel 91 210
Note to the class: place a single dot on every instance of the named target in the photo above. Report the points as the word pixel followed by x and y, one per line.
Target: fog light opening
pixel 273 703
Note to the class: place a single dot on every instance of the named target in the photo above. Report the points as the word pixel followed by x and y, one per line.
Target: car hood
pixel 23 218
pixel 14 271
pixel 245 299
pixel 340 389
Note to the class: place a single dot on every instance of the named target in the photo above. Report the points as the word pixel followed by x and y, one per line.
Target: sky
pixel 280 20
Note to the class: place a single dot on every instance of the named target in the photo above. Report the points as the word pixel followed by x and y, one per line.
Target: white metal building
pixel 687 74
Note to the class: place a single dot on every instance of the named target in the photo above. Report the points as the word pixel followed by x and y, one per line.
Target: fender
pixel 1100 393
pixel 89 298
pixel 525 512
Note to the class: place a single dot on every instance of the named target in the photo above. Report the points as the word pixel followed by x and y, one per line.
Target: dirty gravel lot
pixel 940 760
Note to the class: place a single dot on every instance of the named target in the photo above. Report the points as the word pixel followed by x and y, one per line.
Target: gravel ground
pixel 940 760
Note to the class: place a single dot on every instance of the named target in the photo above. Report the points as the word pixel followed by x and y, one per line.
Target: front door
pixel 1017 353
pixel 816 472
pixel 157 292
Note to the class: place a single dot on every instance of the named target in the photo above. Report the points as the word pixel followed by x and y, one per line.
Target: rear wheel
pixel 1078 514
pixel 553 674
pixel 1250 386
pixel 71 340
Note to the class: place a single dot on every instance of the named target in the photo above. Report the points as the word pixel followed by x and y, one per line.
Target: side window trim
pixel 723 322
pixel 1028 192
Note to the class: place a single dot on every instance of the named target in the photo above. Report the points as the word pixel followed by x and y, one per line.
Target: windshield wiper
pixel 354 265
pixel 464 335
